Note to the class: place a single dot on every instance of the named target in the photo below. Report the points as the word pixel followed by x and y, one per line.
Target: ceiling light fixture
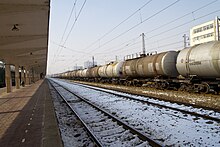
pixel 15 28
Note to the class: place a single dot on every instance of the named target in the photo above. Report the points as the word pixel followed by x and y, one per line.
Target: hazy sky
pixel 109 28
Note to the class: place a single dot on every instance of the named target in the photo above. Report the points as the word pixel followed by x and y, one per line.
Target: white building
pixel 205 32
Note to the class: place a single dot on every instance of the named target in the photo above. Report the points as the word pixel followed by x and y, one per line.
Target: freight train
pixel 192 69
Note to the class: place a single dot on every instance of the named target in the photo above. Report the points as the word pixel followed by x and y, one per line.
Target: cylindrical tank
pixel 83 73
pixel 66 75
pixel 202 60
pixel 78 73
pixel 89 73
pixel 117 69
pixel 73 74
pixel 162 64
pixel 102 71
pixel 109 69
pixel 114 70
pixel 69 74
pixel 129 68
pixel 94 72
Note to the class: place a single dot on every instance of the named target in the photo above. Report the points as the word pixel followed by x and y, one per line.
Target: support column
pixel 8 80
pixel 33 76
pixel 22 76
pixel 27 72
pixel 17 79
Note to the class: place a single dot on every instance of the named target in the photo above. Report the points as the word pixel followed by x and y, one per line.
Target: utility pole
pixel 143 44
pixel 217 28
pixel 185 38
pixel 93 62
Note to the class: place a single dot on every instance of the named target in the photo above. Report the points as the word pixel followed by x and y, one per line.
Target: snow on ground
pixel 170 127
pixel 174 105
pixel 72 132
pixel 209 101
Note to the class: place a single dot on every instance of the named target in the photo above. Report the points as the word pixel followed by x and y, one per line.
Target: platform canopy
pixel 24 26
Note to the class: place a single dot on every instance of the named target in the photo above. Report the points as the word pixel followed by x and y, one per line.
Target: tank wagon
pixel 149 68
pixel 111 72
pixel 195 69
pixel 200 67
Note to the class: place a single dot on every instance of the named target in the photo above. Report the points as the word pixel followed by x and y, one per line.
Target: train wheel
pixel 165 85
pixel 183 87
pixel 128 83
pixel 157 85
pixel 206 87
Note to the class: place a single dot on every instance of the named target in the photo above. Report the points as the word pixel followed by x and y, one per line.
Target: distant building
pixel 205 32
pixel 89 64
pixel 77 67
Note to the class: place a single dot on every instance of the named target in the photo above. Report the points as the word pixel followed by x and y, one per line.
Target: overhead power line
pixel 77 17
pixel 204 6
pixel 110 31
pixel 74 5
pixel 155 14
pixel 184 24
pixel 141 22
pixel 65 47
pixel 194 19
pixel 190 13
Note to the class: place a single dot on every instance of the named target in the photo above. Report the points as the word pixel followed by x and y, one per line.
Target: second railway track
pixel 200 112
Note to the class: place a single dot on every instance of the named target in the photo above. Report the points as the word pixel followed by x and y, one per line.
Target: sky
pixel 111 29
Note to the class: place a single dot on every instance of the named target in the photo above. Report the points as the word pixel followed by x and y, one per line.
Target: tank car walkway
pixel 27 117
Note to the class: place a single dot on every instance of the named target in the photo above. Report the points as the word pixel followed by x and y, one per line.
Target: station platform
pixel 27 117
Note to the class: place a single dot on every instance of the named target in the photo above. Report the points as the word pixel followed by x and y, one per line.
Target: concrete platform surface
pixel 27 118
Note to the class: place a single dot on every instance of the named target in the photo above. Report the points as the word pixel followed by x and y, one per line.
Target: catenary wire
pixel 110 31
pixel 71 13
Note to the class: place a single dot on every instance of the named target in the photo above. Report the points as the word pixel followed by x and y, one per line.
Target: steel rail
pixel 126 126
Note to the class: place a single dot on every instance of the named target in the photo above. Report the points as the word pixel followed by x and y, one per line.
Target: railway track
pixel 207 114
pixel 71 130
pixel 169 127
pixel 104 128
